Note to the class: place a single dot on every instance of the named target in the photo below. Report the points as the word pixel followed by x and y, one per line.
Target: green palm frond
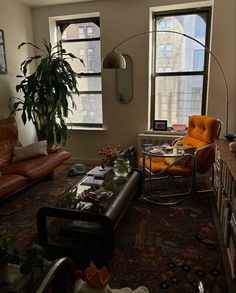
pixel 46 91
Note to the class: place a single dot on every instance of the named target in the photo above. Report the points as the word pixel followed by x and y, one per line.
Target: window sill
pixel 167 132
pixel 79 128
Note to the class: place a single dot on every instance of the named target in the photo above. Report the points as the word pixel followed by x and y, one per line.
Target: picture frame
pixel 160 125
pixel 3 63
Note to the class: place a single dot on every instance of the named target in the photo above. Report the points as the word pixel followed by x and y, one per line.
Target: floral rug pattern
pixel 18 216
pixel 167 249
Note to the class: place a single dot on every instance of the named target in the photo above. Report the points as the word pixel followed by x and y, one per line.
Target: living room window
pixel 179 65
pixel 82 38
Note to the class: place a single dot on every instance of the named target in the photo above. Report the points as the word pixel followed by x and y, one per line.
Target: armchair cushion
pixel 188 140
pixel 203 128
pixel 202 131
pixel 159 164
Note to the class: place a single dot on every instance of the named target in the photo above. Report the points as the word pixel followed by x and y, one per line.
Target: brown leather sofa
pixel 18 175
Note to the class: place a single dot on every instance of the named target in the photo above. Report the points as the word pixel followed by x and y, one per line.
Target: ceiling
pixel 38 3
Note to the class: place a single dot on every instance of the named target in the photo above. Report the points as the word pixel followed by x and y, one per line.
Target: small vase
pixel 121 167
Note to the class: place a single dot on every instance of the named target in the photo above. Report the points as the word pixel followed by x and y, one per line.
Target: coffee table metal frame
pixel 108 221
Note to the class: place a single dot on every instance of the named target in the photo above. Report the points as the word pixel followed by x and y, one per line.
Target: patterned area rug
pixel 167 249
pixel 18 216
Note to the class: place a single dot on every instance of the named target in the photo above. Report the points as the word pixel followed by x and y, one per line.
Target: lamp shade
pixel 114 60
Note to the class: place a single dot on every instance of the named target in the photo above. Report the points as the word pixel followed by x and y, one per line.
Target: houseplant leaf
pixel 46 91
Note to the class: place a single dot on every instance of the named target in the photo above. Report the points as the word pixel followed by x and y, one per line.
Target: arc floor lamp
pixel 115 60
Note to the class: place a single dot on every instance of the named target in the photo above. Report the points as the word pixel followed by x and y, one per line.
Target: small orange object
pixel 95 278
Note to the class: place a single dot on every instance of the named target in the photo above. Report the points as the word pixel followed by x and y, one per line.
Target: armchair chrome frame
pixel 156 176
pixel 63 264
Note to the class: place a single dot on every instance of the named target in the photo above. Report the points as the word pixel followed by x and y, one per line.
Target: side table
pixel 158 152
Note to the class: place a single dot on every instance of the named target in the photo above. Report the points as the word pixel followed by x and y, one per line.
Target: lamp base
pixel 230 137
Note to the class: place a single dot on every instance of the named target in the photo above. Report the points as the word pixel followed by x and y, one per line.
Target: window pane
pixel 89 109
pixel 175 51
pixel 88 51
pixel 198 58
pixel 200 27
pixel 91 83
pixel 85 30
pixel 165 23
pixel 178 97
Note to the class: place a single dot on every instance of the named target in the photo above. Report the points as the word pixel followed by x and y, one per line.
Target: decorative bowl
pixel 230 137
pixel 179 127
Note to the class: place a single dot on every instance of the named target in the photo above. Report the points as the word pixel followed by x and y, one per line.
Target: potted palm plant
pixel 46 91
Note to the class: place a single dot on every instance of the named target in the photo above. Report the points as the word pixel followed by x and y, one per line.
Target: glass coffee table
pixel 82 223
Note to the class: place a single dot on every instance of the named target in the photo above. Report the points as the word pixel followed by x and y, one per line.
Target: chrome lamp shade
pixel 114 60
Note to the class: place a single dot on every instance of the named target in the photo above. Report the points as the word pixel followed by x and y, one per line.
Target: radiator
pixel 153 139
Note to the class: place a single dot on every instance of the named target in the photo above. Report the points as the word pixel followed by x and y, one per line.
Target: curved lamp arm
pixel 115 60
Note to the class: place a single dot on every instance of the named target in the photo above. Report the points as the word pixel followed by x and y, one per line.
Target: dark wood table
pixel 81 227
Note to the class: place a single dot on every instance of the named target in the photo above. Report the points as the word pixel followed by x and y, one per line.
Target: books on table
pixel 99 171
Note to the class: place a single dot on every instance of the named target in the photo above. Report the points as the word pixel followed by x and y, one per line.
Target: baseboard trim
pixel 75 160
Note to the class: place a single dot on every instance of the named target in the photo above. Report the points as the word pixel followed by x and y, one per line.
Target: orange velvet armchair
pixel 202 131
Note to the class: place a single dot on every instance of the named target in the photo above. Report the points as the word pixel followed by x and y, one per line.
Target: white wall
pixel 16 21
pixel 120 19
pixel 224 47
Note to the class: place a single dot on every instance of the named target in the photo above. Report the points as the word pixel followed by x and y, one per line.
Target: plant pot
pixel 121 168
pixel 3 271
pixel 52 148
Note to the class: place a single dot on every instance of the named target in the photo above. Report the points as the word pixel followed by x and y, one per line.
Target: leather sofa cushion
pixel 5 152
pixel 8 140
pixel 11 183
pixel 37 167
pixel 8 129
